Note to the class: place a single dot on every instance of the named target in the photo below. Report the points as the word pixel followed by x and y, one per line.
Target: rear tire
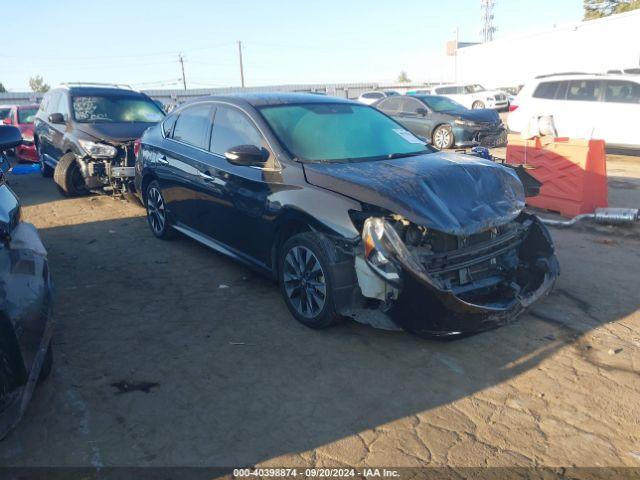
pixel 477 105
pixel 305 273
pixel 157 212
pixel 68 176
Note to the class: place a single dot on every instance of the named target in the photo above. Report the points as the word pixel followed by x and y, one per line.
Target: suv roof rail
pixel 96 84
pixel 564 73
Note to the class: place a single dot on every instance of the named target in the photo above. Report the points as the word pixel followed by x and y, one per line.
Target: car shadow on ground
pixel 239 381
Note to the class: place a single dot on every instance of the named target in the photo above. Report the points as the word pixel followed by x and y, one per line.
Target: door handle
pixel 163 159
pixel 206 176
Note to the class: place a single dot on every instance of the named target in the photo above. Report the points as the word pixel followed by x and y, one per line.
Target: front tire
pixel 157 213
pixel 305 272
pixel 477 105
pixel 68 176
pixel 442 137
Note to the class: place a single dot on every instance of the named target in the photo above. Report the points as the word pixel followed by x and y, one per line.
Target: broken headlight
pixel 382 249
pixel 98 150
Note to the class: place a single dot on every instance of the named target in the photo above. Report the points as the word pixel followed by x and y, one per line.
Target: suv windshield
pixel 340 132
pixel 124 109
pixel 475 88
pixel 26 115
pixel 440 104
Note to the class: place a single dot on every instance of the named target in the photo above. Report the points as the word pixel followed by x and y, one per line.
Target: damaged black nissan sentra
pixel 354 215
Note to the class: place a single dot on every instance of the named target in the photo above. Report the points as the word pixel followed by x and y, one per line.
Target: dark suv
pixel 85 134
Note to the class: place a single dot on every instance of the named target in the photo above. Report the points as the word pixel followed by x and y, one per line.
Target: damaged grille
pixel 126 154
pixel 464 263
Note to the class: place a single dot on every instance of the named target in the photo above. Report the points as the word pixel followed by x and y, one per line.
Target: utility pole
pixel 181 60
pixel 488 29
pixel 241 67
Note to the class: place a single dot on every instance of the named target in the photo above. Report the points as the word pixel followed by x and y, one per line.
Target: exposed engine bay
pixel 109 169
pixel 434 283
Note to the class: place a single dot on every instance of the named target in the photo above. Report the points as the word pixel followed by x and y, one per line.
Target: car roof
pixel 91 90
pixel 585 76
pixel 273 98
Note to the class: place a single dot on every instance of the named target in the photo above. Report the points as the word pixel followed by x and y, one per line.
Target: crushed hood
pixel 451 193
pixel 115 132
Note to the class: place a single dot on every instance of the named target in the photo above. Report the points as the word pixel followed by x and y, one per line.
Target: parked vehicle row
pixel 85 136
pixel 26 326
pixel 22 116
pixel 443 122
pixel 583 106
pixel 471 96
pixel 353 214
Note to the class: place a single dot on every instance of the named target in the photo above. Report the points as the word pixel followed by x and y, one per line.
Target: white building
pixel 591 46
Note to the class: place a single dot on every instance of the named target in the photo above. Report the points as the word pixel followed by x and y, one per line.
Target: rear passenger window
pixel 546 90
pixel 232 128
pixel 584 90
pixel 193 126
pixel 619 91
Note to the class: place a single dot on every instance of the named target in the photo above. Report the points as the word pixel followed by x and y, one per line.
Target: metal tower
pixel 488 29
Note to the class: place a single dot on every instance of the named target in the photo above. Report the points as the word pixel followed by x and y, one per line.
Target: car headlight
pixel 491 99
pixel 98 149
pixel 466 123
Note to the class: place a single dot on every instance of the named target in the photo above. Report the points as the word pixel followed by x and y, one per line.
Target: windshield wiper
pixel 410 154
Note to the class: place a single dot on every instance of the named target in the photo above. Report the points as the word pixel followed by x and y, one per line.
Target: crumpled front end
pixel 437 284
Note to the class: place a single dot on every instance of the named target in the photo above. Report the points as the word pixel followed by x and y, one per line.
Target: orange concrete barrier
pixel 573 172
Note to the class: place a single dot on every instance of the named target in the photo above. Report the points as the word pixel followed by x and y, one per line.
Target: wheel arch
pixel 147 178
pixel 290 223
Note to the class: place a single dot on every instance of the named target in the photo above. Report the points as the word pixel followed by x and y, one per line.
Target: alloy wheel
pixel 156 210
pixel 442 138
pixel 304 281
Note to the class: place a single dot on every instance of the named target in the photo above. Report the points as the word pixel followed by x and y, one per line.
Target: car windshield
pixel 325 132
pixel 475 88
pixel 441 104
pixel 4 113
pixel 123 109
pixel 26 115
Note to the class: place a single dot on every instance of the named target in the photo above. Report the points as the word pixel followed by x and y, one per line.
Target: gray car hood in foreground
pixel 451 193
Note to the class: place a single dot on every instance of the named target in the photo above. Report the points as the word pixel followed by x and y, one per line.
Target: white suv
pixel 473 96
pixel 587 106
pixel 372 97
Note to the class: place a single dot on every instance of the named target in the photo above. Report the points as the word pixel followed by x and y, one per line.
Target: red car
pixel 22 117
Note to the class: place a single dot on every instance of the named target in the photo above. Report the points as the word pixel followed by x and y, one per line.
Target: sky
pixel 137 42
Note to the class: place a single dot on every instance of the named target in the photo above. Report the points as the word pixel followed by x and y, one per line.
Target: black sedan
pixel 25 303
pixel 353 215
pixel 444 122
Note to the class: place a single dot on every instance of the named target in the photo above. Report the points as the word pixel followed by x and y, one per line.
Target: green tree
pixel 403 78
pixel 604 8
pixel 37 84
pixel 2 89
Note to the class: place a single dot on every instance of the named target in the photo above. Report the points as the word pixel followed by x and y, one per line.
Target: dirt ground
pixel 228 378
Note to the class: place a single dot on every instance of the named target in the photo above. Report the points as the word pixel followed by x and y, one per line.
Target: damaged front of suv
pixel 446 246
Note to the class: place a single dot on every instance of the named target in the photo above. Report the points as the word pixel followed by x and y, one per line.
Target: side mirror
pixel 56 118
pixel 247 155
pixel 10 137
pixel 7 121
pixel 422 111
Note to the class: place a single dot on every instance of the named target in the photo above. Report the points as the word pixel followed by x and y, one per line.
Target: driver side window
pixel 232 128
